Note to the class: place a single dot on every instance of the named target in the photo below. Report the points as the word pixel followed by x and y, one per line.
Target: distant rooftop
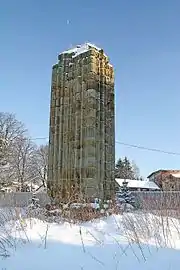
pixel 138 184
pixel 79 49
pixel 164 171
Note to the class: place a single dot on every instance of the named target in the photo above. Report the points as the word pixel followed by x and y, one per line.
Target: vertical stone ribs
pixel 81 136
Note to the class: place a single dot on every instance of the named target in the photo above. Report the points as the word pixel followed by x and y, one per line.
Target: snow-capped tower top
pixel 82 125
pixel 79 49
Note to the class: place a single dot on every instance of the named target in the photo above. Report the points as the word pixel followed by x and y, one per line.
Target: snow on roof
pixel 32 185
pixel 137 183
pixel 6 188
pixel 177 175
pixel 164 171
pixel 79 49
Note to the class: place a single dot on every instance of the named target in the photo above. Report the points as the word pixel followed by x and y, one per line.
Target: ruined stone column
pixel 81 137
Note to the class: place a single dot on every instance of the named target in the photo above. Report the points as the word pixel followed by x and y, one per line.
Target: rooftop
pixel 176 174
pixel 138 184
pixel 164 171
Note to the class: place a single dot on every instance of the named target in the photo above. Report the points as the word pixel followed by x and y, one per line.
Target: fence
pixel 146 200
pixel 21 199
pixel 158 200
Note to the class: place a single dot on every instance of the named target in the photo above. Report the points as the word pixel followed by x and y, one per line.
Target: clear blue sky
pixel 142 39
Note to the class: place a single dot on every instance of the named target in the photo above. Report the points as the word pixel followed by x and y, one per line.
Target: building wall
pixel 81 139
pixel 167 182
pixel 171 184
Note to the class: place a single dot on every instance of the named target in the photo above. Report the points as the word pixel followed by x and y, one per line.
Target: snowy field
pixel 128 242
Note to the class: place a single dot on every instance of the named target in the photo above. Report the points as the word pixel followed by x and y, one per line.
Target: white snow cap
pixel 79 49
pixel 176 175
pixel 137 183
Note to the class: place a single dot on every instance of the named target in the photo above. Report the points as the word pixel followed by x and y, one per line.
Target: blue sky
pixel 142 39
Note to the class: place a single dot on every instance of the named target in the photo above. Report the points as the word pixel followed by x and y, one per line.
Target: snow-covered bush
pixel 34 209
pixel 34 202
pixel 125 198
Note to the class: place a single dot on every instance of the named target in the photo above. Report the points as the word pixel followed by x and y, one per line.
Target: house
pixel 7 189
pixel 137 185
pixel 167 180
pixel 15 186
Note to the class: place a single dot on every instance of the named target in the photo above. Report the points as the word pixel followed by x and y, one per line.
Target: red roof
pixel 163 171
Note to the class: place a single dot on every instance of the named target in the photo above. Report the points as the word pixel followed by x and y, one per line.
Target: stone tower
pixel 82 136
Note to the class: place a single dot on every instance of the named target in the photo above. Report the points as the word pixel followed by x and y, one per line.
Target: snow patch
pixel 138 184
pixel 101 244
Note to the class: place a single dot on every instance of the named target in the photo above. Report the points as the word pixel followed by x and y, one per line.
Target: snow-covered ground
pixel 110 243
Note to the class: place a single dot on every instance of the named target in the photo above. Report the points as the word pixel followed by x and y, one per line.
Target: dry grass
pixel 143 226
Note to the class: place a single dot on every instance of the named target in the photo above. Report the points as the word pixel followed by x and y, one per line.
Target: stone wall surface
pixel 82 147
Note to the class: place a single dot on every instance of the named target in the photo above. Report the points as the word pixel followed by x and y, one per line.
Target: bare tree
pixel 10 130
pixel 10 127
pixel 41 163
pixel 135 170
pixel 2 152
pixel 21 161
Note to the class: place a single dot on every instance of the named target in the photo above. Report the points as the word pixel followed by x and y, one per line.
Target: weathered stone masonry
pixel 81 138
